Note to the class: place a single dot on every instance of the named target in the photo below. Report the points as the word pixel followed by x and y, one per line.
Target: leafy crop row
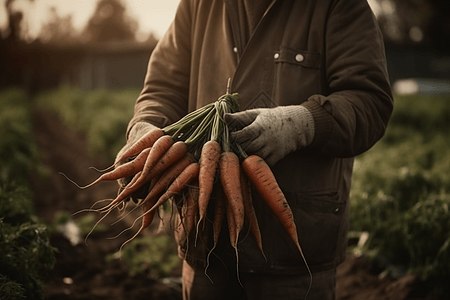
pixel 25 251
pixel 101 115
pixel 401 192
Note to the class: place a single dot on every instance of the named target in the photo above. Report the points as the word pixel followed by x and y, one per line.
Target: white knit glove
pixel 136 132
pixel 272 133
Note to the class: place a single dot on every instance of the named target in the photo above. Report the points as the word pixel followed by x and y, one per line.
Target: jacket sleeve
pixel 164 97
pixel 355 113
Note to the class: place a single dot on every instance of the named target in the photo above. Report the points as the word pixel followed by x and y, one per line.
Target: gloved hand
pixel 136 132
pixel 272 133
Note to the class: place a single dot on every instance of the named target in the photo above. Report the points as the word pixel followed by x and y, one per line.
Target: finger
pixel 247 134
pixel 271 159
pixel 239 120
pixel 256 146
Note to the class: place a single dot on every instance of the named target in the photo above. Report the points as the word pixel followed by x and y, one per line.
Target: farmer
pixel 313 93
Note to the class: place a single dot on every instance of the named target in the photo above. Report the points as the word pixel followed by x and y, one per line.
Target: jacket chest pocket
pixel 297 75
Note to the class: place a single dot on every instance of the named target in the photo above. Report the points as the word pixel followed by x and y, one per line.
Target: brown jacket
pixel 327 55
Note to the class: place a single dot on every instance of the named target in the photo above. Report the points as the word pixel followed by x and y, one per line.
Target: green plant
pixel 427 238
pixel 101 116
pixel 401 191
pixel 10 290
pixel 18 153
pixel 153 256
pixel 25 250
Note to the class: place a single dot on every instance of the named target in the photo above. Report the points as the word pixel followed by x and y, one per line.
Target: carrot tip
pixel 76 184
pixel 102 170
pixel 67 177
pixel 197 230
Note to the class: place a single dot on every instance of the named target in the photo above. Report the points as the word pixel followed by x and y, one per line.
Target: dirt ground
pixel 81 272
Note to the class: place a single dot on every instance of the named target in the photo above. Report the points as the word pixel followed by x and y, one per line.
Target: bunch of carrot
pixel 187 158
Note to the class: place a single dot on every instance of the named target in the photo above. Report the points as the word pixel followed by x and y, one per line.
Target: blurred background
pixel 89 44
pixel 70 71
pixel 47 43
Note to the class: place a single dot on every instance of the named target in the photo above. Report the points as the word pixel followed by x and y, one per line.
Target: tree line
pixel 109 22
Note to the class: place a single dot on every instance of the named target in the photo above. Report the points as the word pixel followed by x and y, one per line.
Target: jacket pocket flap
pixel 297 57
pixel 320 202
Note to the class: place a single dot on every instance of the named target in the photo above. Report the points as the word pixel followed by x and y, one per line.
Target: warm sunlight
pixel 153 16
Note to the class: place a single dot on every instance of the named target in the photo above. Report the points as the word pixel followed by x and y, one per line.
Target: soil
pixel 81 271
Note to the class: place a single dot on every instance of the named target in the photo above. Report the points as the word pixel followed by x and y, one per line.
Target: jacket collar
pixel 232 12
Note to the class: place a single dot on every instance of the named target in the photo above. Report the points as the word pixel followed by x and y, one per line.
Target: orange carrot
pixel 127 169
pixel 249 210
pixel 191 207
pixel 165 153
pixel 233 234
pixel 262 178
pixel 189 210
pixel 123 194
pixel 209 159
pixel 169 175
pixel 229 170
pixel 148 215
pixel 157 151
pixel 189 174
pixel 176 152
pixel 146 141
pixel 219 214
pixel 231 225
pixel 264 181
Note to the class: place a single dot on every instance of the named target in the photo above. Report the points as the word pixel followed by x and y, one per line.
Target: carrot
pixel 157 151
pixel 219 214
pixel 189 174
pixel 176 152
pixel 231 225
pixel 162 155
pixel 261 176
pixel 124 215
pixel 191 207
pixel 123 194
pixel 249 211
pixel 229 170
pixel 189 210
pixel 169 175
pixel 209 159
pixel 233 234
pixel 146 141
pixel 147 218
pixel 127 169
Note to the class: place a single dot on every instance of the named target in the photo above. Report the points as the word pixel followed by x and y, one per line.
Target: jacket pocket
pixel 297 75
pixel 319 217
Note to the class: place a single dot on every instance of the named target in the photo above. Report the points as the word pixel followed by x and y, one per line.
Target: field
pixel 400 201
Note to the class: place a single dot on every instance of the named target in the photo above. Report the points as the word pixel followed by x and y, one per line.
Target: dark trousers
pixel 218 282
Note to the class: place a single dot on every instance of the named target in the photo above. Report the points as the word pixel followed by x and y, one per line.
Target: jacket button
pixel 235 50
pixel 336 210
pixel 276 56
pixel 299 58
